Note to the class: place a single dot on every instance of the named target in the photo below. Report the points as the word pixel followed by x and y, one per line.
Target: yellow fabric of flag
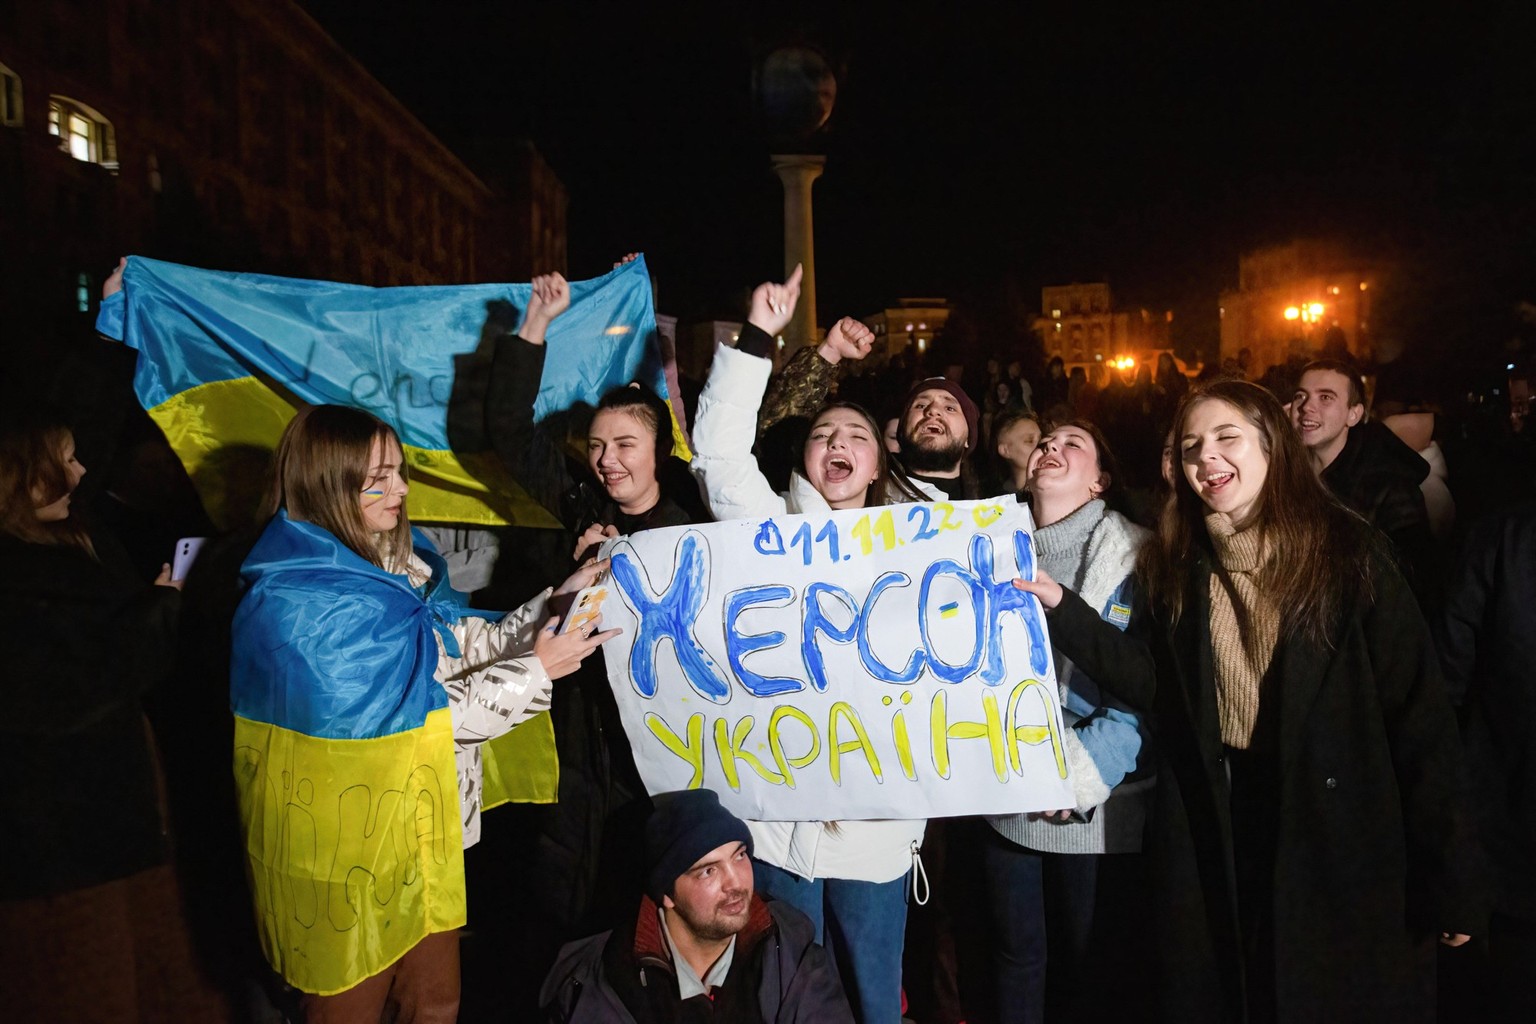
pixel 355 847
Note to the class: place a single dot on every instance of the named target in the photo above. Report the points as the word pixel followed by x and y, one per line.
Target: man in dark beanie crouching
pixel 703 946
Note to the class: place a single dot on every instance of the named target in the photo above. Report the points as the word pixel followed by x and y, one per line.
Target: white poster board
pixel 865 663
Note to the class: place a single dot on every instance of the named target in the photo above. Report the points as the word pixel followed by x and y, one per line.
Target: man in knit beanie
pixel 703 946
pixel 938 431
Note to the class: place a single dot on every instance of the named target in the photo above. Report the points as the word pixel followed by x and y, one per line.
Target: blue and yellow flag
pixel 225 360
pixel 344 757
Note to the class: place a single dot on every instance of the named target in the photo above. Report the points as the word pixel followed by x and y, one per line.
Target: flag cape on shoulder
pixel 226 358
pixel 344 759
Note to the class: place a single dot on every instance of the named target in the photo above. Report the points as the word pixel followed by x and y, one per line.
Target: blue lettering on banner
pixel 738 645
pixel 670 616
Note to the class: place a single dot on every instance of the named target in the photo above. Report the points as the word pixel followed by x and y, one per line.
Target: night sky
pixel 980 152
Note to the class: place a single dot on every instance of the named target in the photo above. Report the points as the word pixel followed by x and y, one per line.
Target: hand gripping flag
pixel 225 360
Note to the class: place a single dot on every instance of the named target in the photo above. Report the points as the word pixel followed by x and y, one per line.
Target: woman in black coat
pixel 91 924
pixel 1309 838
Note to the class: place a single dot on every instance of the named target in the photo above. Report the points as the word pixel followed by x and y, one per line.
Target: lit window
pixel 1362 286
pixel 1333 290
pixel 909 328
pixel 1055 314
pixel 1058 328
pixel 83 292
pixel 10 97
pixel 82 132
pixel 922 327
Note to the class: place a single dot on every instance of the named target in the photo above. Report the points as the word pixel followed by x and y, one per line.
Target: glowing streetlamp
pixel 1292 312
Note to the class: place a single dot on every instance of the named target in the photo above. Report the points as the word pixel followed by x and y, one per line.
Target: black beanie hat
pixel 685 826
pixel 967 407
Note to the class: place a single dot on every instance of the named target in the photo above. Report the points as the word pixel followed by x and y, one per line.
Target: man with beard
pixel 938 431
pixel 703 946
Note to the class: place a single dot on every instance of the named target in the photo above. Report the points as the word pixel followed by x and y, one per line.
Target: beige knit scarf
pixel 1245 625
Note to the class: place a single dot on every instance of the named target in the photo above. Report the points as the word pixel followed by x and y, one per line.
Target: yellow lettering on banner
pixel 900 738
pixel 1034 734
pixel 776 742
pixel 691 751
pixel 991 729
pixel 729 749
pixel 836 750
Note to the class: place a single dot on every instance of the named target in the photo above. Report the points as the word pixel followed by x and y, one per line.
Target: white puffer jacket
pixel 723 434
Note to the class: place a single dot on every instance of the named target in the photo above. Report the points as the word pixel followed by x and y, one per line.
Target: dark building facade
pixel 233 135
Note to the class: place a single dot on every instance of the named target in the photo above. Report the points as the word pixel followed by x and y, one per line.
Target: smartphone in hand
pixel 186 553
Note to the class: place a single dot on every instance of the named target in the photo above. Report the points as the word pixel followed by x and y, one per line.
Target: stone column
pixel 798 172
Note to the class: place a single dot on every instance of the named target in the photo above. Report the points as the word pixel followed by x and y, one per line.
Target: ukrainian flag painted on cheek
pixel 225 359
pixel 344 758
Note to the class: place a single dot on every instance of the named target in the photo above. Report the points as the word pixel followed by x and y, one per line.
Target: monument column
pixel 798 172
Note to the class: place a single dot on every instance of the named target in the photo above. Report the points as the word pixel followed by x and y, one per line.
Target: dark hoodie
pixel 1378 476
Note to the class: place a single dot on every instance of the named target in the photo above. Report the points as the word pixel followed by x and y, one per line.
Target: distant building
pixel 233 135
pixel 909 326
pixel 1079 324
pixel 1295 298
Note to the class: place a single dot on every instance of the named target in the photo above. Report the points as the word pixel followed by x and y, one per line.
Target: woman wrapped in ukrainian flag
pixel 363 690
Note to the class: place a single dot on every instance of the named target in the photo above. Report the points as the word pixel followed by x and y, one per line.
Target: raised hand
pixel 114 282
pixel 848 339
pixel 774 304
pixel 629 257
pixel 551 297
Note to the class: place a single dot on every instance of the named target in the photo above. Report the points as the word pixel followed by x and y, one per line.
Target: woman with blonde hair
pixel 1308 837
pixel 363 691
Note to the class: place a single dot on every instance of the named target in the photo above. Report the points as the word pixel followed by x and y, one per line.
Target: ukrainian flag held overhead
pixel 226 358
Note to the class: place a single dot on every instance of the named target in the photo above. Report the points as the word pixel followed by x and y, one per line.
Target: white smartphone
pixel 186 553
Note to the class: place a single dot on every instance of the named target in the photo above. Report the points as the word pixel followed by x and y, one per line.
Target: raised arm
pixel 802 386
pixel 725 426
pixel 535 457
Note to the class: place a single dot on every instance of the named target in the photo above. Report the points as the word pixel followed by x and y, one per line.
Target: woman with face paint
pixel 1309 841
pixel 357 669
pixel 848 877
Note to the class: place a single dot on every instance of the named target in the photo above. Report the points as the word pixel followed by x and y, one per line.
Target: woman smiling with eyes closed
pixel 1042 870
pixel 1308 841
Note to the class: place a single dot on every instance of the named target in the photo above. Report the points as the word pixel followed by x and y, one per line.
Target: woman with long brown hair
pixel 91 923
pixel 363 690
pixel 1308 838
pixel 848 877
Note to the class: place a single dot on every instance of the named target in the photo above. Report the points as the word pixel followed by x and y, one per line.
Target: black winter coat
pixel 83 640
pixel 1487 647
pixel 1373 855
pixel 1378 476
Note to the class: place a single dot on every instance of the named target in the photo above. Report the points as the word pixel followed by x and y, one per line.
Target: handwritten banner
pixel 865 663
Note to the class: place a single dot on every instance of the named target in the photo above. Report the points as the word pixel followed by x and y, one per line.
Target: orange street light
pixel 1291 312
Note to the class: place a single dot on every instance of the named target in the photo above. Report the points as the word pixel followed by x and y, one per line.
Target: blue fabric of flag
pixel 387 350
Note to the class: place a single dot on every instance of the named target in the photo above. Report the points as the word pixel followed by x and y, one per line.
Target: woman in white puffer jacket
pixel 849 877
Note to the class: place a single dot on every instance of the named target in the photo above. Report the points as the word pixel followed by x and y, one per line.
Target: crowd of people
pixel 1274 815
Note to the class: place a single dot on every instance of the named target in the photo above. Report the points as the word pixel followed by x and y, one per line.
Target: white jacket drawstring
pixel 919 873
